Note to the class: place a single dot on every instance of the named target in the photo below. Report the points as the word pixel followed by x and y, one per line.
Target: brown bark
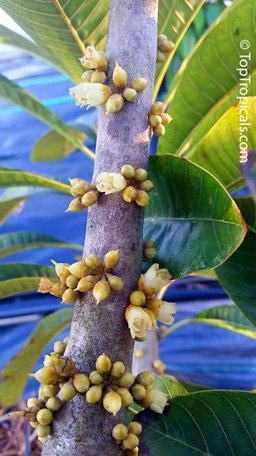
pixel 79 428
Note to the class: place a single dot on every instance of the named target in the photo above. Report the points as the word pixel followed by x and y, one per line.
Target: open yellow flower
pixel 87 94
pixel 156 278
pixel 166 312
pixel 110 183
pixel 138 320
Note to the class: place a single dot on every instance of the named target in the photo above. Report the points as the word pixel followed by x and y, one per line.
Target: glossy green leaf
pixel 210 422
pixel 218 150
pixel 173 387
pixel 62 28
pixel 15 178
pixel 237 275
pixel 14 376
pixel 207 83
pixel 13 93
pixel 19 241
pixel 190 217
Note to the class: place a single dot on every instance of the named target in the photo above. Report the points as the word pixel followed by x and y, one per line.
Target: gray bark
pixel 79 428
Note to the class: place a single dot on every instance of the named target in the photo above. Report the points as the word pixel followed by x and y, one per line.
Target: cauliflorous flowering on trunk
pixel 166 312
pixel 110 183
pixel 87 94
pixel 139 321
pixel 156 278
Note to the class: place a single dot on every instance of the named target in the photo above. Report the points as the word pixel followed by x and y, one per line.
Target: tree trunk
pixel 79 428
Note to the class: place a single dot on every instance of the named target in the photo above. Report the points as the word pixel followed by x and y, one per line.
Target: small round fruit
pixel 44 416
pixel 46 375
pixel 50 390
pixel 137 298
pixel 112 402
pixel 103 364
pixel 126 381
pixel 59 347
pixel 34 402
pixel 157 108
pixel 126 396
pixel 67 392
pixel 130 94
pixel 138 392
pixel 43 430
pixel 141 174
pixel 69 296
pixel 53 404
pixel 145 378
pixel 159 130
pixel 130 442
pixel 128 171
pixel 118 369
pixel 119 432
pixel 96 378
pixel 81 383
pixel 135 428
pixel 93 394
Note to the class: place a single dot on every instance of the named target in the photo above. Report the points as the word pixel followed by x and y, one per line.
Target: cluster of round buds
pixel 84 276
pixel 149 250
pixel 85 195
pixel 126 92
pixel 145 308
pixel 164 47
pixel 158 119
pixel 128 437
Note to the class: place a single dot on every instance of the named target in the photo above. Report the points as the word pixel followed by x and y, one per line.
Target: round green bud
pixel 130 442
pixel 114 103
pixel 139 84
pixel 119 76
pixel 150 253
pixel 79 269
pixel 93 394
pixel 80 188
pixel 58 289
pixel 161 58
pixel 126 381
pixel 43 430
pixel 115 282
pixel 44 416
pixel 135 428
pixel 53 404
pixel 59 347
pixel 166 119
pixel 157 108
pixel 64 366
pixel 137 298
pixel 166 46
pixel 128 171
pixel 81 383
pixel 111 259
pixel 72 281
pixel 118 369
pixel 159 131
pixel 90 198
pixel 138 392
pixel 84 285
pixel 149 244
pixel 34 402
pixel 96 378
pixel 126 396
pixel 98 77
pixel 154 120
pixel 69 296
pixel 61 269
pixel 145 378
pixel 76 205
pixel 93 261
pixel 147 185
pixel 148 399
pixel 112 402
pixel 141 175
pixel 50 390
pixel 46 375
pixel 129 194
pixel 119 432
pixel 103 364
pixel 101 291
pixel 86 77
pixel 130 94
pixel 142 198
pixel 67 392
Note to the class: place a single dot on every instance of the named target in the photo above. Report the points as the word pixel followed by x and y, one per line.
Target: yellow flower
pixel 159 401
pixel 87 94
pixel 156 278
pixel 94 59
pixel 110 183
pixel 138 320
pixel 166 312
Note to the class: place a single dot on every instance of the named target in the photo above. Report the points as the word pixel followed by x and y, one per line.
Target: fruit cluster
pixel 158 119
pixel 137 185
pixel 149 250
pixel 164 47
pixel 85 195
pixel 83 276
pixel 127 436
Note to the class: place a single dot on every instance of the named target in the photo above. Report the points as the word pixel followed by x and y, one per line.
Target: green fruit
pixel 96 378
pixel 67 392
pixel 44 416
pixel 135 428
pixel 59 347
pixel 53 404
pixel 93 394
pixel 81 383
pixel 145 378
pixel 138 392
pixel 130 442
pixel 119 432
pixel 103 364
pixel 46 375
pixel 43 430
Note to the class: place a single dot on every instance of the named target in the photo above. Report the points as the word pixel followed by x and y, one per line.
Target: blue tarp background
pixel 203 354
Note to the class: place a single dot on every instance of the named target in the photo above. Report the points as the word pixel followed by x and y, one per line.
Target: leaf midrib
pixel 175 219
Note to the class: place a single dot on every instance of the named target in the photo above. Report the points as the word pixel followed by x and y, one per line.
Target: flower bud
pixel 59 347
pixel 43 430
pixel 119 76
pixel 137 298
pixel 146 185
pixel 141 175
pixel 142 198
pixel 161 58
pixel 53 404
pixel 58 289
pixel 84 285
pixel 159 401
pixel 46 375
pixel 87 94
pixel 87 75
pixel 126 381
pixel 34 402
pixel 98 76
pixel 155 120
pixel 138 392
pixel 135 428
pixel 79 269
pixel 101 291
pixel 61 270
pixel 94 59
pixel 161 37
pixel 166 46
pixel 118 369
pixel 166 119
pixel 72 281
pixel 145 378
pixel 130 95
pixel 103 364
pixel 114 103
pixel 75 205
pixel 49 391
pixel 64 366
pixel 90 198
pixel 159 131
pixel 67 392
pixel 154 305
pixel 139 84
pixel 96 378
pixel 80 187
pixel 115 282
pixel 110 183
pixel 128 171
pixel 112 402
pixel 93 394
pixel 150 253
pixel 44 416
pixel 45 285
pixel 130 442
pixel 133 452
pixel 81 383
pixel 119 432
pixel 69 296
pixel 157 108
pixel 126 396
pixel 129 194
pixel 148 399
pixel 111 259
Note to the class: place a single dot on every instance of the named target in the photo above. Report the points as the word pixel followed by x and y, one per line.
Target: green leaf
pixel 218 150
pixel 211 422
pixel 19 241
pixel 15 94
pixel 8 207
pixel 207 83
pixel 15 178
pixel 237 274
pixel 174 19
pixel 62 28
pixel 14 376
pixel 190 217
pixel 173 387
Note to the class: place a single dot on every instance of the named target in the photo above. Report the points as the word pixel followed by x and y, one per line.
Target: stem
pixel 177 325
pixel 79 428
